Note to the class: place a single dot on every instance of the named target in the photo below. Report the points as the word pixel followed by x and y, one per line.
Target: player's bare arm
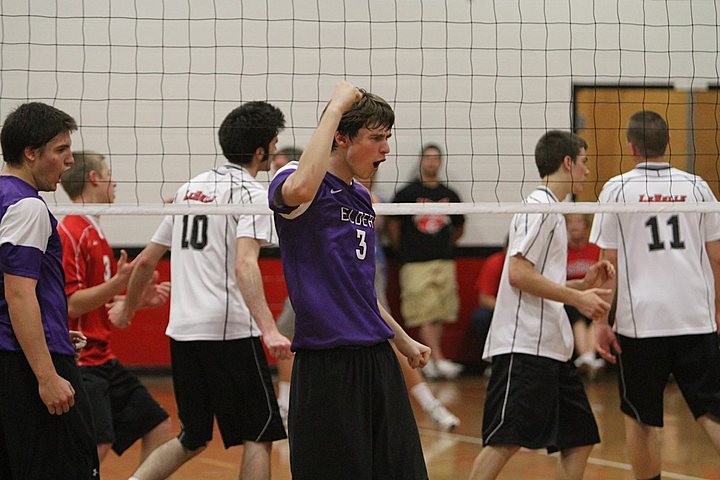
pixel 597 276
pixel 302 185
pixel 156 293
pixel 88 299
pixel 121 313
pixel 55 392
pixel 606 342
pixel 416 353
pixel 522 275
pixel 250 283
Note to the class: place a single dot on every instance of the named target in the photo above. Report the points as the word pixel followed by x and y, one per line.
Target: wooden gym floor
pixel 687 452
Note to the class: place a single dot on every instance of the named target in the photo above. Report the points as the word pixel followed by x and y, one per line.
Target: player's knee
pixel 164 428
pixel 102 450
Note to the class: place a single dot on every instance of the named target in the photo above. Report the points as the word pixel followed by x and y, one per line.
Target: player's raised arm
pixel 301 185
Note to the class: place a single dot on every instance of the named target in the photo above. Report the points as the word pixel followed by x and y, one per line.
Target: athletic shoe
pixel 596 367
pixel 442 416
pixel 448 369
pixel 431 371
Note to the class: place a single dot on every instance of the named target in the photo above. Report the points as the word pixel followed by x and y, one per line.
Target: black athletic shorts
pixel 35 445
pixel 230 381
pixel 350 417
pixel 123 410
pixel 537 402
pixel 646 364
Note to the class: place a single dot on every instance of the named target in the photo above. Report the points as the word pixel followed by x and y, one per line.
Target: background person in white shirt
pixel 535 397
pixel 667 294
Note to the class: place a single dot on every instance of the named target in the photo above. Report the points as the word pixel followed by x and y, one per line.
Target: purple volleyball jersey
pixel 30 247
pixel 328 254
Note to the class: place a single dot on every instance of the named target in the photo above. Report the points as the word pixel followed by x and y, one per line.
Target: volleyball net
pixel 150 82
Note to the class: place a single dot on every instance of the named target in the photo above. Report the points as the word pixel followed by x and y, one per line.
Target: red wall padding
pixel 144 344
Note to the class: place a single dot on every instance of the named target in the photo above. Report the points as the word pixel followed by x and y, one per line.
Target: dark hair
pixel 648 131
pixel 293 154
pixel 371 111
pixel 75 178
pixel 553 147
pixel 428 146
pixel 250 126
pixel 32 125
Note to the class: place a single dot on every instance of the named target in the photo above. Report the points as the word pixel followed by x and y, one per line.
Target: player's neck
pixel 88 196
pixel 252 169
pixel 577 244
pixel 661 159
pixel 340 168
pixel 22 173
pixel 560 187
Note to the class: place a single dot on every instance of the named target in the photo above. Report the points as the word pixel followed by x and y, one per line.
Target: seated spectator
pixel 581 255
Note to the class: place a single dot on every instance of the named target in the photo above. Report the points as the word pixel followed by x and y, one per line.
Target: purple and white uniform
pixel 328 253
pixel 30 247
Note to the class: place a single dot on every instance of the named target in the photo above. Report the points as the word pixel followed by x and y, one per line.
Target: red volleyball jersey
pixel 88 261
pixel 581 259
pixel 488 281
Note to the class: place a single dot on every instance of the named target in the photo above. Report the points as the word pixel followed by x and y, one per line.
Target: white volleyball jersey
pixel 524 323
pixel 206 303
pixel 665 283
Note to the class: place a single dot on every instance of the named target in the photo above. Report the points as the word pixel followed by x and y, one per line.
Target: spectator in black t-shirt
pixel 425 243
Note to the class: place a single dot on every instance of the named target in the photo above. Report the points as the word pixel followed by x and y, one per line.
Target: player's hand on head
pixel 606 342
pixel 57 394
pixel 345 96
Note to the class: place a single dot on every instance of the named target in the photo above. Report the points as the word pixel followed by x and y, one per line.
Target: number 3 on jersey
pixel 361 252
pixel 198 232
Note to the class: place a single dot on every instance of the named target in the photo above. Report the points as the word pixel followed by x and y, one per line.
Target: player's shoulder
pixel 286 169
pixel 542 194
pixel 691 178
pixel 30 206
pixel 73 224
pixel 14 190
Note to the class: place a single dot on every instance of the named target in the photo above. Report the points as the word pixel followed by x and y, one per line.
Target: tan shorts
pixel 429 292
pixel 286 320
